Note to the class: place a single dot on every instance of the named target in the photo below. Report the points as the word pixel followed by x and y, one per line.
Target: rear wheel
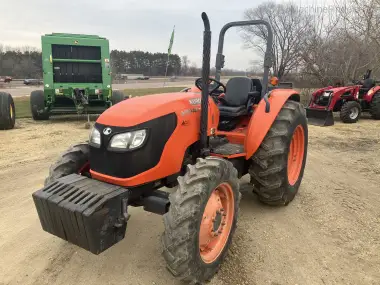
pixel 350 112
pixel 118 96
pixel 74 160
pixel 375 107
pixel 201 220
pixel 7 111
pixel 37 105
pixel 277 166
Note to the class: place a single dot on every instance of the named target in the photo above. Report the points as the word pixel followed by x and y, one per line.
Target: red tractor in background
pixel 350 101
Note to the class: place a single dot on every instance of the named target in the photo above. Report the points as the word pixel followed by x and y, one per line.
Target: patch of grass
pixel 148 91
pixel 22 104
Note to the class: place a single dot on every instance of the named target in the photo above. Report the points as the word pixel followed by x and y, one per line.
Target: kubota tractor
pixel 350 101
pixel 187 141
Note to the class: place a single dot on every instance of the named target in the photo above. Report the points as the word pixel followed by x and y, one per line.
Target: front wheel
pixel 74 160
pixel 350 112
pixel 201 220
pixel 278 165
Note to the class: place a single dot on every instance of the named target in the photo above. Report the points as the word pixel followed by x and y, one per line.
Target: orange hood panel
pixel 137 110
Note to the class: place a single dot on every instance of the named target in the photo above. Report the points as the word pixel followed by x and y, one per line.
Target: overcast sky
pixel 131 24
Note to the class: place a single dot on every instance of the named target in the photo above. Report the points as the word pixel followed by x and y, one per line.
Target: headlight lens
pixel 326 94
pixel 95 138
pixel 130 140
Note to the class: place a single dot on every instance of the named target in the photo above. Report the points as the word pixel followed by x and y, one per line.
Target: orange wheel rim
pixel 295 155
pixel 216 223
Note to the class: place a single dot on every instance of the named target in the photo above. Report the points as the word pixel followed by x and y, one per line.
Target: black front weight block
pixel 83 211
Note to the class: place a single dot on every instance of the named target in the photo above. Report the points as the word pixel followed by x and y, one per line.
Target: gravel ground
pixel 330 233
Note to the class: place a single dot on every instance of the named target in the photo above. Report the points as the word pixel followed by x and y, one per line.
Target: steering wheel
pixel 212 87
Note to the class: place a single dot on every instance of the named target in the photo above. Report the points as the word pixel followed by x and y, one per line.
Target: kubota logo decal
pixel 107 131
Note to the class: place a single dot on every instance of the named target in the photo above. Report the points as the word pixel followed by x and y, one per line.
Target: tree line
pixel 26 62
pixel 140 62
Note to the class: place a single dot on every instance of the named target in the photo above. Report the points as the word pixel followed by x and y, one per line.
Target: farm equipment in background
pixel 76 77
pixel 7 111
pixel 33 82
pixel 350 101
pixel 6 79
pixel 184 140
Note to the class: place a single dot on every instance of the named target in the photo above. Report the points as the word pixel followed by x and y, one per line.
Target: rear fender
pixel 261 122
pixel 368 97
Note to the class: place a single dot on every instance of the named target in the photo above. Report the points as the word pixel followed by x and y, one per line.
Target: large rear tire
pixel 375 106
pixel 7 111
pixel 74 160
pixel 350 112
pixel 37 105
pixel 201 220
pixel 278 165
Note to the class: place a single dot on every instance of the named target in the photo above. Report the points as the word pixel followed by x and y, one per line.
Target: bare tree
pixel 342 43
pixel 361 25
pixel 289 24
pixel 185 64
pixel 318 56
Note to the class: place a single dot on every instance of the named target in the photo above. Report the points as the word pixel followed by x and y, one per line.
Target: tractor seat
pixel 367 85
pixel 235 101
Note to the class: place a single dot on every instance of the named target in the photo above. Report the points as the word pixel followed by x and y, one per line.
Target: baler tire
pixel 37 105
pixel 186 219
pixel 74 160
pixel 7 111
pixel 270 165
pixel 117 97
pixel 345 112
pixel 375 106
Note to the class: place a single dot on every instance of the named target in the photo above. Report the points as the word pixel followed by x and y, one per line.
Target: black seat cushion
pixel 237 91
pixel 234 102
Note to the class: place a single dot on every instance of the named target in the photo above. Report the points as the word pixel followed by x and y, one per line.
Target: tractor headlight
pixel 95 139
pixel 130 140
pixel 326 94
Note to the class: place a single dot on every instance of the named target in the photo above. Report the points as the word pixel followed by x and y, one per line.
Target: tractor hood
pixel 138 110
pixel 338 89
pixel 332 89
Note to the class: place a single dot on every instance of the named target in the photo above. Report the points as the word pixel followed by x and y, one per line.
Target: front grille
pixel 132 162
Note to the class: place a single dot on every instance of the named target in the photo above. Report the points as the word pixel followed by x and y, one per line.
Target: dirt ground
pixel 330 234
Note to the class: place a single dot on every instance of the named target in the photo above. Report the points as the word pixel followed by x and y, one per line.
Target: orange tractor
pixel 199 144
